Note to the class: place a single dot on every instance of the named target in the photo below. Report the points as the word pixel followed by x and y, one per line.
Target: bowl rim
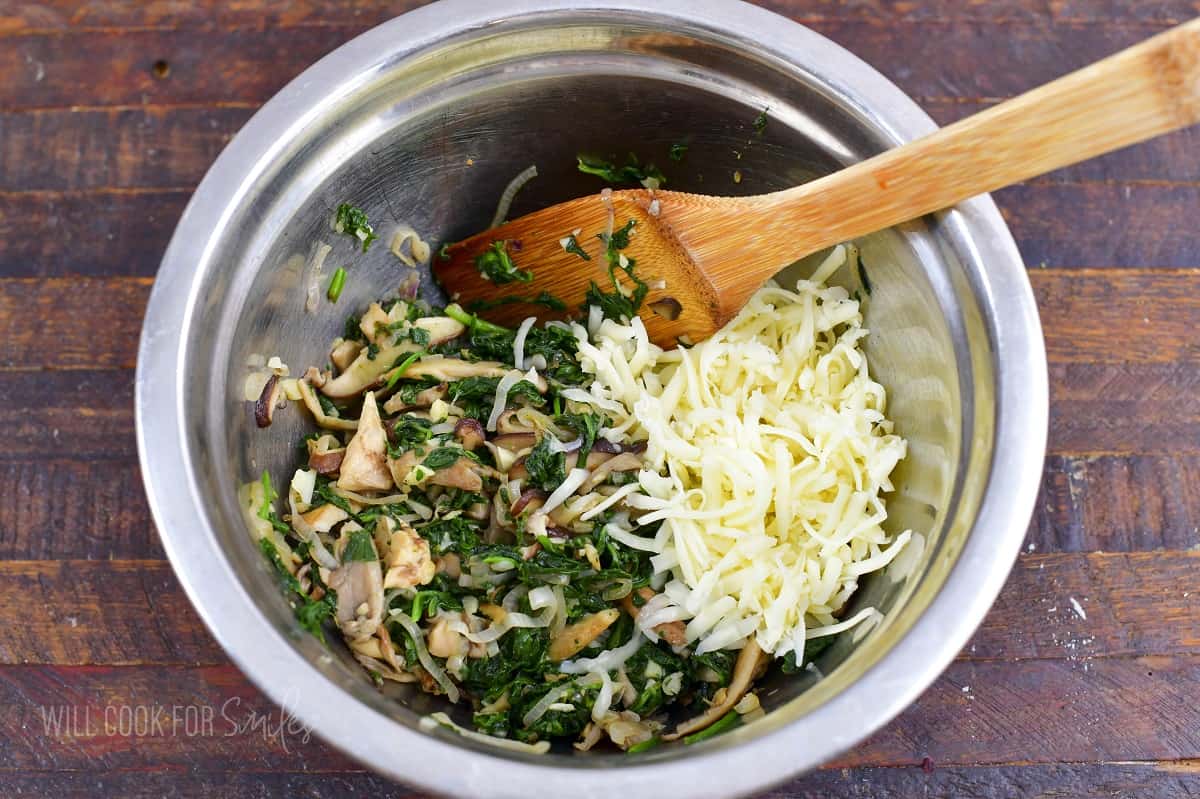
pixel 262 652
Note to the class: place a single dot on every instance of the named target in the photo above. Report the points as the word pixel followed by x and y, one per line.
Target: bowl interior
pixel 431 139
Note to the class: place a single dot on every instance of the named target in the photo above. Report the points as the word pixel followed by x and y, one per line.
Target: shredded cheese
pixel 768 450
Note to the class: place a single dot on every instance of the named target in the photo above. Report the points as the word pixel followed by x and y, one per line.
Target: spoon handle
pixel 1147 90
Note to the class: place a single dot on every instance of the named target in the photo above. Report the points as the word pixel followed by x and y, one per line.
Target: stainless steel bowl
pixel 424 119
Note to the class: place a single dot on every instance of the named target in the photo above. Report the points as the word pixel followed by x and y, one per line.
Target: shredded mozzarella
pixel 768 450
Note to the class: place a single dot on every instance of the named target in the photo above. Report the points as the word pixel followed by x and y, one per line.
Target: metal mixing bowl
pixel 425 119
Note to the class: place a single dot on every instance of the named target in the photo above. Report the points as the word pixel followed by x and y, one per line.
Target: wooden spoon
pixel 704 256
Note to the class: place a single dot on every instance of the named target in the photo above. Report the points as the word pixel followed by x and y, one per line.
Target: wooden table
pixel 110 112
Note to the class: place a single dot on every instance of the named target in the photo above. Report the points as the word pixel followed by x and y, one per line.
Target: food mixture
pixel 579 535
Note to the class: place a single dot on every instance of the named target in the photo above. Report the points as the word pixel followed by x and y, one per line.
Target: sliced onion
pixel 434 720
pixel 304 481
pixel 611 500
pixel 608 660
pixel 603 698
pixel 511 620
pixel 519 342
pixel 309 533
pixel 624 536
pixel 556 445
pixel 427 661
pixel 618 590
pixel 510 192
pixel 575 479
pixel 316 260
pixel 541 597
pixel 500 402
pixel 555 695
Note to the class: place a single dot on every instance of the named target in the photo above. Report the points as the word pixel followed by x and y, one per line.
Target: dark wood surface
pixel 98 155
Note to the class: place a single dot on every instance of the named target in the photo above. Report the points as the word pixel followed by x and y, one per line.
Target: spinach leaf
pixel 631 172
pixel 353 222
pixel 496 265
pixel 547 469
pixel 409 432
pixel 360 547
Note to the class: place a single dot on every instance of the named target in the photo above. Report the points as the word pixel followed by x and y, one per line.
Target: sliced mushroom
pixel 359 588
pixel 449 564
pixel 439 367
pixel 365 467
pixel 268 400
pixel 743 675
pixel 408 559
pixel 509 423
pixel 673 632
pixel 402 466
pixel 469 433
pixel 370 322
pixel 440 328
pixel 625 462
pixel 574 637
pixel 342 355
pixel 461 474
pixel 515 442
pixel 325 454
pixel 322 419
pixel 365 370
pixel 323 518
pixel 315 376
pixel 424 399
pixel 443 642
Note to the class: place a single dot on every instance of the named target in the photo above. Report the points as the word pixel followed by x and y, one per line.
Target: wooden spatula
pixel 702 257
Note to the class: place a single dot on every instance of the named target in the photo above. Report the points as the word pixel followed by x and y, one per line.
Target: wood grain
pixel 961 58
pixel 100 612
pixel 58 509
pixel 134 613
pixel 59 340
pixel 157 146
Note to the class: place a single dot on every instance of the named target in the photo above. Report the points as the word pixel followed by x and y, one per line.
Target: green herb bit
pixel 545 299
pixel 360 547
pixel 496 265
pixel 266 511
pixel 353 222
pixel 442 458
pixel 309 613
pixel 649 743
pixel 547 469
pixel 760 123
pixel 443 252
pixel 724 724
pixel 678 151
pixel 633 171
pixel 571 245
pixel 337 284
pixel 399 369
pixel 408 433
pixel 456 312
